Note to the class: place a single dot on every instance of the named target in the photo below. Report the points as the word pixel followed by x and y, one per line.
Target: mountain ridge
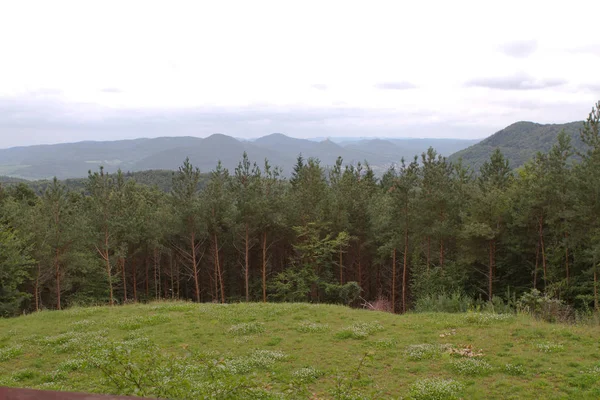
pixel 519 142
pixel 74 160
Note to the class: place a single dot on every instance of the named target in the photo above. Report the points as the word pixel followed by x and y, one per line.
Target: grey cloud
pixel 319 86
pixel 44 92
pixel 515 82
pixel 395 86
pixel 111 90
pixel 586 49
pixel 591 87
pixel 519 49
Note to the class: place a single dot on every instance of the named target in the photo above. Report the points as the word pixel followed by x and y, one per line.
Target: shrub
pixel 457 302
pixel 342 294
pixel 544 307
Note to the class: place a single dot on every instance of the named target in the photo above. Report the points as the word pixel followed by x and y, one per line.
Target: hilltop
pixel 289 351
pixel 519 142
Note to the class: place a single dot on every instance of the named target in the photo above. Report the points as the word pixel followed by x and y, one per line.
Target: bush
pixel 342 294
pixel 545 308
pixel 457 302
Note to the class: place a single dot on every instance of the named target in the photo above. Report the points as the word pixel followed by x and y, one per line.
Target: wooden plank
pixel 29 394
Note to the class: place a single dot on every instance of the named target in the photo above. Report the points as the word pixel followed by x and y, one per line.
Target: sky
pixel 107 70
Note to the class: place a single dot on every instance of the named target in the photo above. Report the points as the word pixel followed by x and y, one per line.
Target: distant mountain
pixel 519 142
pixel 74 160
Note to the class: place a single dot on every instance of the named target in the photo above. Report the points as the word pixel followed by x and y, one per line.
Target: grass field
pixel 297 351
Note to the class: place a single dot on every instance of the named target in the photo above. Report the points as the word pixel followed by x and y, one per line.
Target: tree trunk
pixel 57 272
pixel 394 281
pixel 264 266
pixel 360 274
pixel 134 277
pixel 147 275
pixel 172 276
pixel 157 273
pixel 341 267
pixel 541 222
pixel 108 268
pixel 428 252
pixel 219 270
pixel 442 253
pixel 405 270
pixel 247 262
pixel 537 262
pixel 195 265
pixel 567 257
pixel 596 304
pixel 178 281
pixel 36 288
pixel 491 271
pixel 122 263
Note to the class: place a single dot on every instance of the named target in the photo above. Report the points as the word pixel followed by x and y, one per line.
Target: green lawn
pixel 296 351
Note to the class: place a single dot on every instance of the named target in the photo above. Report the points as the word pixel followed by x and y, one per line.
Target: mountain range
pixel 73 160
pixel 518 142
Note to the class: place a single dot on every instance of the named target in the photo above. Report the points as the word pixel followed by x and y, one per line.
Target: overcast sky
pixel 104 70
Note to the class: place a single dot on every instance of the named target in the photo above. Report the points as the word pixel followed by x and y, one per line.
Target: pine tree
pixel 186 204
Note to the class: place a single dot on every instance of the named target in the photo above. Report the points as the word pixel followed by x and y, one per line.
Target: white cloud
pixel 98 57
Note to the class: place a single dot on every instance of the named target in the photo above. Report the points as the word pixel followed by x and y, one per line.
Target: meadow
pixel 183 350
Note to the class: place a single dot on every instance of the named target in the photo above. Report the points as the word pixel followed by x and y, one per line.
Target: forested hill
pixel 74 160
pixel 519 142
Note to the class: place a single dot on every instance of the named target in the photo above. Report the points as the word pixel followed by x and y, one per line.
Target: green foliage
pixel 456 302
pixel 14 270
pixel 544 307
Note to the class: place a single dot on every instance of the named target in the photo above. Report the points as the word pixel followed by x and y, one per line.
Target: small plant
pixel 249 328
pixel 312 327
pixel 259 359
pixel 435 389
pixel 359 330
pixel 385 344
pixel 8 353
pixel 307 375
pixel 425 351
pixel 22 375
pixel 595 370
pixel 514 370
pixel 550 347
pixel 471 367
pixel 83 325
pixel 134 323
pixel 73 365
pixel 484 319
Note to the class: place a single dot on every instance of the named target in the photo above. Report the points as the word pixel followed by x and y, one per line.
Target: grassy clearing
pixel 278 351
